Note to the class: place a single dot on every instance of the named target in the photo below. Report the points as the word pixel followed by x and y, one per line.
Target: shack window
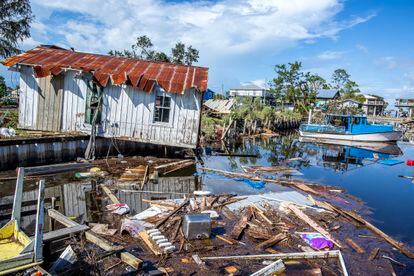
pixel 357 120
pixel 162 109
pixel 93 102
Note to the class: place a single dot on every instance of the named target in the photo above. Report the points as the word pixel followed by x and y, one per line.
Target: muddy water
pixel 356 168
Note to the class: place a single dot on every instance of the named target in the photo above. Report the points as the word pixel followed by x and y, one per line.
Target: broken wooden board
pixel 355 246
pixel 272 241
pixel 241 224
pixel 374 254
pixel 146 239
pixel 312 223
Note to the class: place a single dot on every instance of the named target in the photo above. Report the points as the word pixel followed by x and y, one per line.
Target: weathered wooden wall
pixel 127 112
pixel 166 188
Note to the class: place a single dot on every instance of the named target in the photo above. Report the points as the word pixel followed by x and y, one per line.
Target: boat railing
pixel 322 128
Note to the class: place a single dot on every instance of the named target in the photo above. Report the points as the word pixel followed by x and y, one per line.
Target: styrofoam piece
pixel 161 241
pixel 159 237
pixel 169 249
pixel 212 213
pixel 155 234
pixel 201 193
pixel 152 231
pixel 165 244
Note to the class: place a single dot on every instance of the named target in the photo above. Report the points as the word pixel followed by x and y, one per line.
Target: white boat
pixel 350 128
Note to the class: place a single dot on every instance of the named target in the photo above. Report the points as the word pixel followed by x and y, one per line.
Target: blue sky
pixel 241 40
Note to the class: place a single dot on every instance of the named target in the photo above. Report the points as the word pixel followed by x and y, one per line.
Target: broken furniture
pixel 18 251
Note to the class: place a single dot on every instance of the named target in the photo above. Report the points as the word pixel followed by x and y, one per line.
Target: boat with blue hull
pixel 351 128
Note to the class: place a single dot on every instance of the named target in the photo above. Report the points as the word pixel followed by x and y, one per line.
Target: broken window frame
pixel 93 101
pixel 162 108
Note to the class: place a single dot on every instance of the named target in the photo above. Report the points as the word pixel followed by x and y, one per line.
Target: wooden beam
pixel 60 233
pixel 131 260
pixel 102 243
pixel 144 180
pixel 109 193
pixel 61 218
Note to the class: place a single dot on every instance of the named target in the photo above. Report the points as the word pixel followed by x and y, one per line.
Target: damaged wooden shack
pixel 144 101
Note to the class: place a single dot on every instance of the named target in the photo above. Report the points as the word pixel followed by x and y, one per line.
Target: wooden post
pixel 17 202
pixel 40 217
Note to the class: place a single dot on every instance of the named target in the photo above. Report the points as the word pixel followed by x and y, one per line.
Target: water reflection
pixel 79 200
pixel 344 156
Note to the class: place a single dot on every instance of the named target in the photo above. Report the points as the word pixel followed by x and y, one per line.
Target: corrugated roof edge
pixel 199 85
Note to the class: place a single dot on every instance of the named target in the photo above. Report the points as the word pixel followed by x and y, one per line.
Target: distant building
pixel 351 103
pixel 324 96
pixel 404 107
pixel 373 105
pixel 252 90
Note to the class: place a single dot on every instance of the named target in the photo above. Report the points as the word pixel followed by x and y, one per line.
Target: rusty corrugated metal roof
pixel 173 78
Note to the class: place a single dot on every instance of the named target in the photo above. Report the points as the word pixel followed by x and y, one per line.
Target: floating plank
pixel 355 246
pixel 374 254
pixel 355 217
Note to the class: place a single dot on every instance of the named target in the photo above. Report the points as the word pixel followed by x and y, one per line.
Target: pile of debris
pixel 229 234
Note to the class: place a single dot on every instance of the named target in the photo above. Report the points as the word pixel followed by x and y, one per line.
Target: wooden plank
pixel 61 218
pixel 145 238
pixel 40 218
pixel 60 233
pixel 17 201
pixel 241 224
pixel 374 254
pixel 312 223
pixel 109 193
pixel 144 180
pixel 272 241
pixel 355 217
pixel 131 260
pixel 355 246
pixel 102 243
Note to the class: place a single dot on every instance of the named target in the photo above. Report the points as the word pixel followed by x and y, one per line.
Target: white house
pixel 151 102
pixel 251 90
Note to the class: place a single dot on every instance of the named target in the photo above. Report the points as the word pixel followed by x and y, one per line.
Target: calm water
pixel 357 169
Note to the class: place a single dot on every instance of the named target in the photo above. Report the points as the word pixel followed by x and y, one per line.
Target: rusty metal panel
pixel 172 78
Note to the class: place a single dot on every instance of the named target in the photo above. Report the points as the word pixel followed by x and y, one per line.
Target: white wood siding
pixel 28 98
pixel 126 112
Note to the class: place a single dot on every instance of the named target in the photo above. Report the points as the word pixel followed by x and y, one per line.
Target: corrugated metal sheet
pixel 142 74
pixel 220 106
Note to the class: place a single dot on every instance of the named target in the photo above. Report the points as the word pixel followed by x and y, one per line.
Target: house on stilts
pixel 144 101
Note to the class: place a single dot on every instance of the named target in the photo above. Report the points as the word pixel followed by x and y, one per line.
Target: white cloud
pixel 329 55
pixel 222 30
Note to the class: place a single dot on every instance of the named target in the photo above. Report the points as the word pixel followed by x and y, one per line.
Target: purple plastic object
pixel 317 241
